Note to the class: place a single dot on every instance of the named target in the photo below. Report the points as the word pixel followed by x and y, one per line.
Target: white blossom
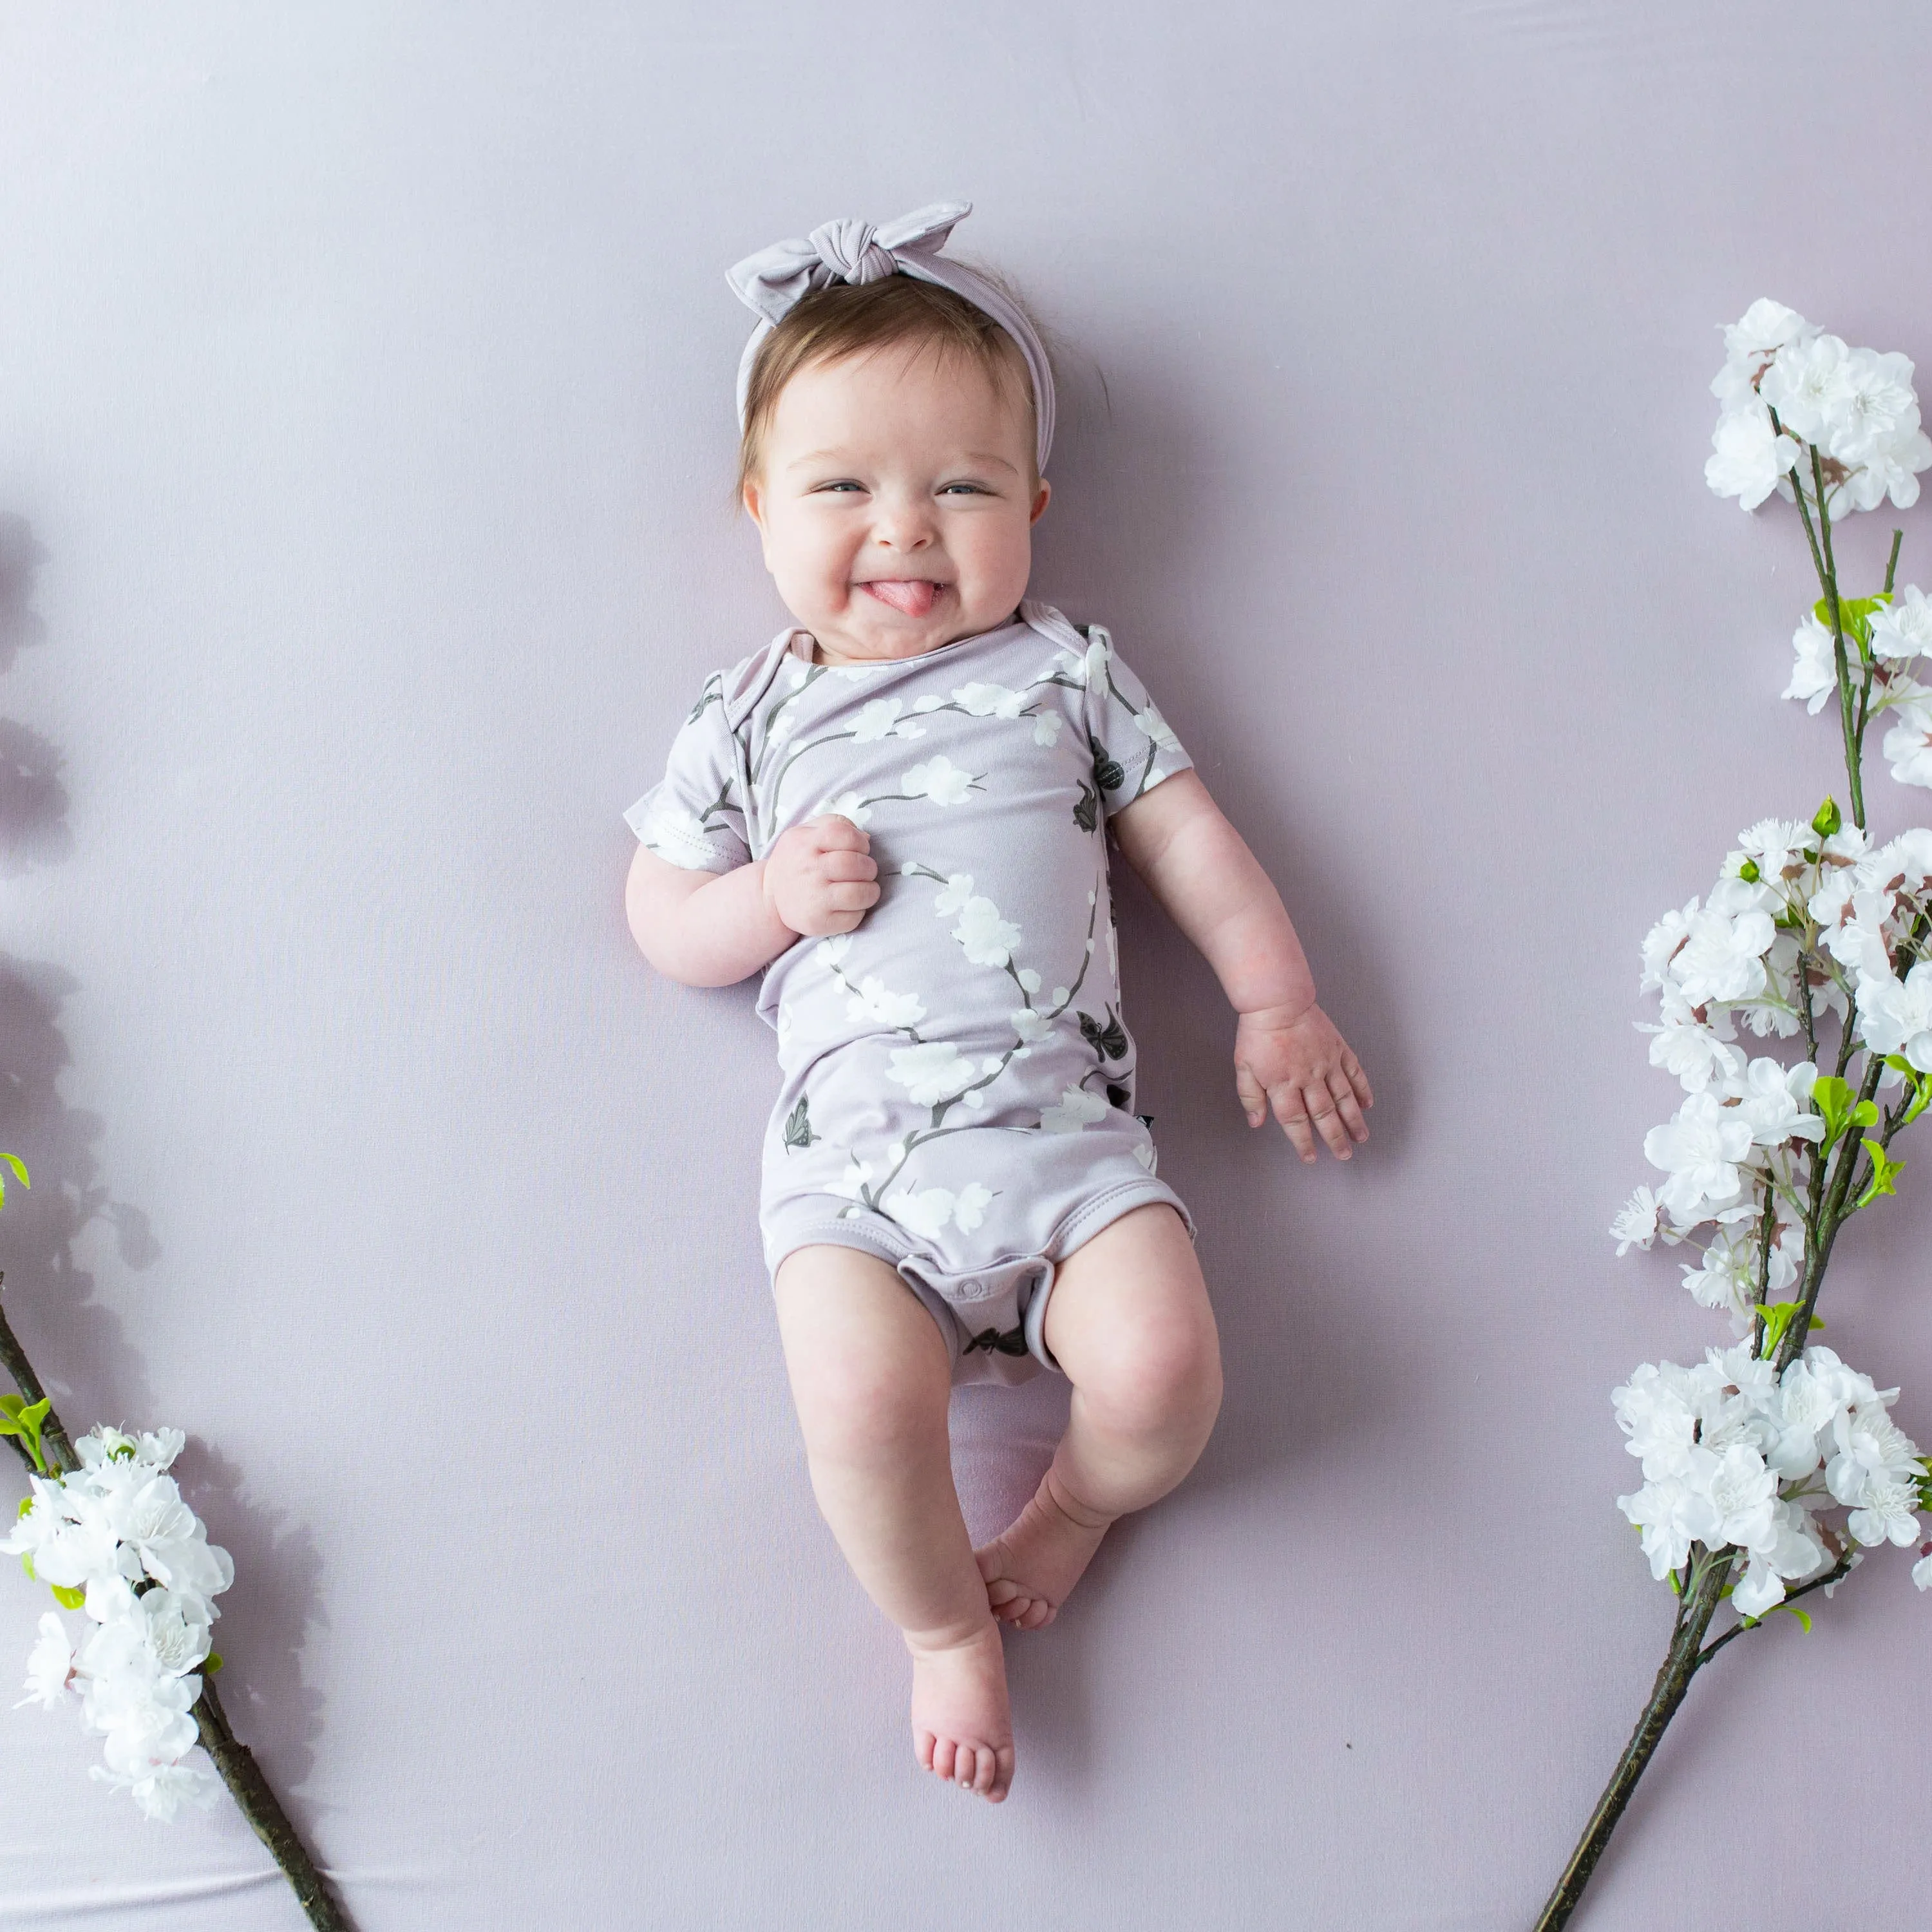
pixel 1088 667
pixel 1722 957
pixel 926 1212
pixel 846 805
pixel 990 701
pixel 1908 745
pixel 1635 1224
pixel 939 779
pixel 1771 1097
pixel 1725 1277
pixel 1699 1148
pixel 49 1665
pixel 1152 725
pixel 871 1000
pixel 1891 471
pixel 1903 629
pixel 1895 1016
pixel 1046 728
pixel 159 1789
pixel 1661 945
pixel 1695 1052
pixel 117 1528
pixel 970 1206
pixel 987 939
pixel 1748 456
pixel 1814 669
pixel 1886 1514
pixel 953 895
pixel 1749 343
pixel 1874 409
pixel 876 720
pixel 931 1073
pixel 1076 1108
pixel 1809 384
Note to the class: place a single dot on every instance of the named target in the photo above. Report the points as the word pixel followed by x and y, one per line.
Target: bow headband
pixel 775 278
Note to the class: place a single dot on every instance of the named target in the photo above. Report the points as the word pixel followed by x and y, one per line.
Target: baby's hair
pixel 848 319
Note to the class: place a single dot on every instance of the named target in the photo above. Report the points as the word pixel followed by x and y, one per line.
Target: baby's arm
pixel 1288 1058
pixel 715 929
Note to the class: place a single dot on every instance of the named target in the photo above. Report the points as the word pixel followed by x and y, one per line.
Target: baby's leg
pixel 1129 1323
pixel 870 1377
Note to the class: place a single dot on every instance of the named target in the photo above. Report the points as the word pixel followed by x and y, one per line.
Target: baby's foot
pixel 961 1727
pixel 1029 1570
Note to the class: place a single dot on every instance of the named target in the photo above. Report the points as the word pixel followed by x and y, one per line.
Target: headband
pixel 774 279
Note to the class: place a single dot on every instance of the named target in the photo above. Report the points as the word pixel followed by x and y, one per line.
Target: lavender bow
pixel 775 278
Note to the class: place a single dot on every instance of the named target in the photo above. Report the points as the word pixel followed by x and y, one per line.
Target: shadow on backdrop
pixel 77 1342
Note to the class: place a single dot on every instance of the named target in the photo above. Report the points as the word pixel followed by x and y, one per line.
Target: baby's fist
pixel 821 878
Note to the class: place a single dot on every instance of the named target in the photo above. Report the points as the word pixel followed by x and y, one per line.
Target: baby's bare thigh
pixel 1131 1298
pixel 856 1337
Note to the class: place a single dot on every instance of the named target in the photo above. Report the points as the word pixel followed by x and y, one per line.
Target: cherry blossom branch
pixel 253 1795
pixel 1695 1609
pixel 1827 576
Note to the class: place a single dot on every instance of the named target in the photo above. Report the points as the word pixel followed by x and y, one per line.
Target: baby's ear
pixel 1040 497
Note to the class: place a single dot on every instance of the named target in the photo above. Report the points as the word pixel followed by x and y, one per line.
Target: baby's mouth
pixel 910 596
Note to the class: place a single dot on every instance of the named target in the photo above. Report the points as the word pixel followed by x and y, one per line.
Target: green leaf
pixel 1854 615
pixel 1885 1174
pixel 1833 1099
pixel 20 1418
pixel 26 1507
pixel 27 1565
pixel 1803 1616
pixel 1829 818
pixel 18 1166
pixel 1778 1316
pixel 1920 1084
pixel 68 1600
pixel 211 1663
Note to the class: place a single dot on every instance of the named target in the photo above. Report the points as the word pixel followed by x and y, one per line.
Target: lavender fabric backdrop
pixel 365 378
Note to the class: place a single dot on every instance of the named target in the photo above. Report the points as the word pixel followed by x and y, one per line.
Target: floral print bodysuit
pixel 958 1083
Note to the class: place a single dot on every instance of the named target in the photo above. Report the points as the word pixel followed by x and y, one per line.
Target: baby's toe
pixel 924 1743
pixel 1003 1776
pixel 944 1754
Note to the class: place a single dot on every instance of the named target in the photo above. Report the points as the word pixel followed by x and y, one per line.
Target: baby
pixel 897 811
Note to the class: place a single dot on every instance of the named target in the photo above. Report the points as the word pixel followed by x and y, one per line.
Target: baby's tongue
pixel 912 596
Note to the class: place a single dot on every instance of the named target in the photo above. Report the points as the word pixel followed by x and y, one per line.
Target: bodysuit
pixel 958 1082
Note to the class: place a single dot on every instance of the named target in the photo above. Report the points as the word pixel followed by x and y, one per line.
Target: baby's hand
pixel 1302 1071
pixel 820 877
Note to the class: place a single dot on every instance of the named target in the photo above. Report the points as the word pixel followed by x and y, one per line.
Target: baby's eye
pixel 840 483
pixel 966 489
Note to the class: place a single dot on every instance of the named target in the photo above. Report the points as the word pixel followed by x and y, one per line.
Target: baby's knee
pixel 1158 1375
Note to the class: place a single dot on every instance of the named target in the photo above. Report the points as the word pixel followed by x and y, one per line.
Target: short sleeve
pixel 1134 746
pixel 694 815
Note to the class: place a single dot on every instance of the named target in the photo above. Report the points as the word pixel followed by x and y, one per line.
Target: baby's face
pixel 896 501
